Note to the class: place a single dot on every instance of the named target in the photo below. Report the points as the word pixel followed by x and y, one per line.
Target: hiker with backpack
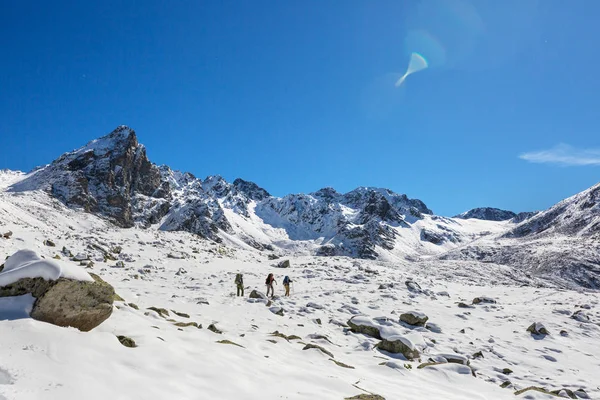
pixel 286 285
pixel 239 282
pixel 269 282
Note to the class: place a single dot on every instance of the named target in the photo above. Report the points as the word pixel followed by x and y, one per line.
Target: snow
pixel 27 264
pixel 16 307
pixel 39 360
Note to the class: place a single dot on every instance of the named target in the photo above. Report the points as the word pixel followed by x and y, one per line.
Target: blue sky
pixel 299 95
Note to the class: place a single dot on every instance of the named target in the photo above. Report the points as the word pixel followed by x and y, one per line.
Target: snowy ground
pixel 42 361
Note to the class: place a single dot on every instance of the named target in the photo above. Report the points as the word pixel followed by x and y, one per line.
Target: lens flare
pixel 416 64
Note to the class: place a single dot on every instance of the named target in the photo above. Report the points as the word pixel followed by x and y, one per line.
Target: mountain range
pixel 112 177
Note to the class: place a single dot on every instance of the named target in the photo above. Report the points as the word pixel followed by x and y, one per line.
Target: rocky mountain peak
pixel 251 189
pixel 487 214
pixel 106 176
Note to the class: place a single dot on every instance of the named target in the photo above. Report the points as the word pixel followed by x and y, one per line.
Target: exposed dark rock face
pixel 250 189
pixel 108 176
pixel 488 214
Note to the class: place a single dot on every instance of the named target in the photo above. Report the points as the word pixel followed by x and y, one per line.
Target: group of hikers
pixel 239 282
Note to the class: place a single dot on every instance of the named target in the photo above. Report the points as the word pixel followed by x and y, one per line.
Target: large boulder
pixel 414 318
pixel 400 345
pixel 364 326
pixel 82 305
pixel 65 295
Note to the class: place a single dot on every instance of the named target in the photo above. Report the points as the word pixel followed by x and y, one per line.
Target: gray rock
pixel 314 346
pixel 126 341
pixel 537 328
pixel 398 347
pixel 284 264
pixel 364 329
pixel 414 318
pixel 255 294
pixel 82 305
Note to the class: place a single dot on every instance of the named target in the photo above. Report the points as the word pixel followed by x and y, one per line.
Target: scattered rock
pixel 414 318
pixel 277 311
pixel 81 257
pixel 413 286
pixel 186 324
pixel 161 311
pixel 507 371
pixel 314 346
pixel 483 300
pixel 7 235
pixel 133 305
pixel 399 345
pixel 365 397
pixel 478 354
pixel 534 388
pixel 358 325
pixel 180 314
pixel 225 341
pixel 464 305
pixel 288 338
pixel 341 364
pixel 506 384
pixel 181 271
pixel 126 341
pixel 49 243
pixel 537 328
pixel 255 294
pixel 283 264
pixel 580 316
pixel 214 329
pixel 273 257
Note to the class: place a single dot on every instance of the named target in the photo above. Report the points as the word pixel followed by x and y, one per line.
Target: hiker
pixel 286 285
pixel 269 282
pixel 239 282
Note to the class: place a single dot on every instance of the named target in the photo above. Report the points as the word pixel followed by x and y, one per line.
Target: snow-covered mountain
pixel 171 246
pixel 488 214
pixel 112 177
pixel 563 242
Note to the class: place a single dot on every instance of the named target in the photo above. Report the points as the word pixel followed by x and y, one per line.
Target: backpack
pixel 286 280
pixel 267 280
pixel 238 279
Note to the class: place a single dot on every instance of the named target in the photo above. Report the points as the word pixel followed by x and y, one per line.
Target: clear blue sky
pixel 299 95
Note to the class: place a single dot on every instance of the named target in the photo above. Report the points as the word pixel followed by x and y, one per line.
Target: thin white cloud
pixel 564 155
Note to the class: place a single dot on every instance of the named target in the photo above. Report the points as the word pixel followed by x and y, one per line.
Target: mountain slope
pixel 112 177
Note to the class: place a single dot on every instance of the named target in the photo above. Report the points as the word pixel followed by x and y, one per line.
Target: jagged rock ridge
pixel 113 177
pixel 488 214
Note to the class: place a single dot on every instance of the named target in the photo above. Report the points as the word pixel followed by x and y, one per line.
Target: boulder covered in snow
pixel 414 318
pixel 537 328
pixel 65 295
pixel 283 264
pixel 399 344
pixel 365 326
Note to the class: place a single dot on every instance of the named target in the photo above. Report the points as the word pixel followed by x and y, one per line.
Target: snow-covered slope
pixel 562 242
pixel 254 356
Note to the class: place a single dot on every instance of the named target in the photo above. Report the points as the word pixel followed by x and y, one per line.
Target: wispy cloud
pixel 564 155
